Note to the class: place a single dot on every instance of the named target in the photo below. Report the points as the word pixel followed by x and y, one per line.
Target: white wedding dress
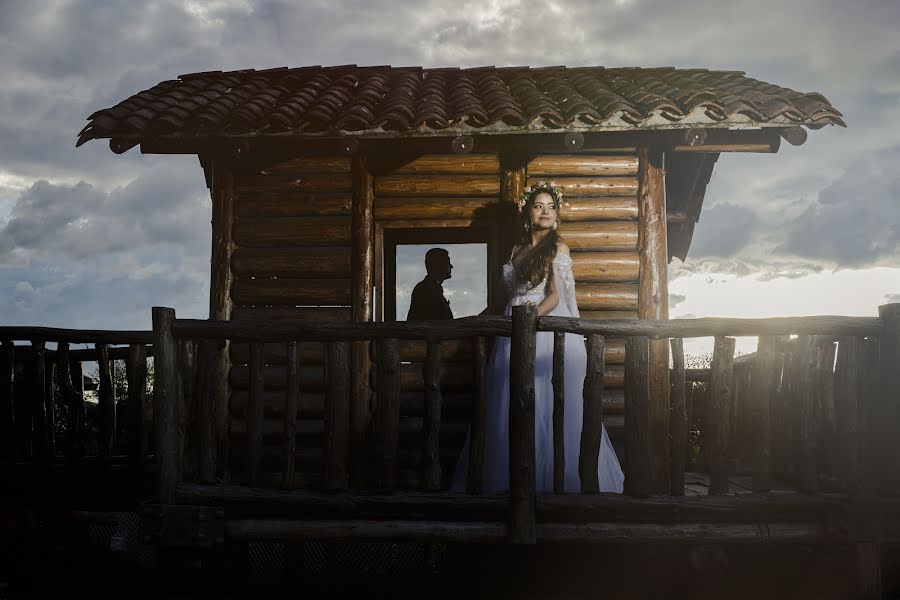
pixel 496 452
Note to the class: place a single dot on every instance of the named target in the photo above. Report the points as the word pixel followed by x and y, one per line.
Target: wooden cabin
pixel 301 395
pixel 317 174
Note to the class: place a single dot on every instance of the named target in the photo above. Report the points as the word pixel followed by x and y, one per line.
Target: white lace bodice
pixel 525 292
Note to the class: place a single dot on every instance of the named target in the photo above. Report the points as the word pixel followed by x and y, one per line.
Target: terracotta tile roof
pixel 386 101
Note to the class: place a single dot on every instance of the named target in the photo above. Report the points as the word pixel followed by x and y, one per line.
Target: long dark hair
pixel 536 265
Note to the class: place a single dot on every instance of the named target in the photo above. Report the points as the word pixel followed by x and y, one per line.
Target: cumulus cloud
pixel 724 230
pixel 855 220
pixel 88 215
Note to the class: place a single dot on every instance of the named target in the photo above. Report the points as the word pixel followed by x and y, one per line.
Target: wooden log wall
pixel 600 225
pixel 291 262
pixel 436 191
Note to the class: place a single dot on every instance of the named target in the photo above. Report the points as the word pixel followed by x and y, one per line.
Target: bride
pixel 539 271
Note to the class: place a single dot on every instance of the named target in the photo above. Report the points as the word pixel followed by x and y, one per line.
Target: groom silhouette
pixel 428 301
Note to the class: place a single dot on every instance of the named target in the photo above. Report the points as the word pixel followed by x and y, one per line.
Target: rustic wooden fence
pixel 838 440
pixel 31 377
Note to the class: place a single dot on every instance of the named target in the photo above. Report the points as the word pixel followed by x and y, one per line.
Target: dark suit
pixel 428 302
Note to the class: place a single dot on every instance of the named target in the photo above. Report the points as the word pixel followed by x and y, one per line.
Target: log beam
pixel 653 303
pixel 362 230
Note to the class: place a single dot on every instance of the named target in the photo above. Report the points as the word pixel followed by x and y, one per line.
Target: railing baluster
pixel 678 421
pixel 165 403
pixel 337 416
pixel 559 414
pixel 720 381
pixel 50 407
pixel 475 480
pixel 77 372
pixel 808 479
pixel 387 414
pixel 848 375
pixel 7 404
pixel 206 427
pixel 522 498
pixel 828 457
pixel 762 376
pixel 255 414
pixel 136 373
pixel 106 406
pixel 870 416
pixel 637 417
pixel 591 428
pixel 73 401
pixel 291 407
pixel 187 412
pixel 37 401
pixel 432 420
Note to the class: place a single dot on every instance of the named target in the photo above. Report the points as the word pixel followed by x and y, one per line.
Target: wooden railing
pixel 28 393
pixel 865 392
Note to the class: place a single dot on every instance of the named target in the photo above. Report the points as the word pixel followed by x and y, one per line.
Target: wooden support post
pixel 255 414
pixel 72 400
pixel 7 405
pixel 592 425
pixel 653 303
pixel 475 478
pixel 808 478
pixel 336 456
pixel 522 508
pixel 889 395
pixel 40 442
pixel 637 417
pixel 291 408
pixel 559 415
pixel 762 375
pixel 362 228
pixel 432 422
pixel 220 307
pixel 848 382
pixel 387 414
pixel 136 372
pixel 165 403
pixel 720 380
pixel 106 406
pixel 678 420
pixel 780 411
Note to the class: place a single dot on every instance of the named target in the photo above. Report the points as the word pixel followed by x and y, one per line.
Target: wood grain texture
pixel 559 413
pixel 592 422
pixel 309 164
pixel 310 262
pixel 165 403
pixel 471 164
pixel 437 185
pixel 292 231
pixel 290 292
pixel 717 423
pixel 474 481
pixel 387 209
pixel 297 181
pixel 605 267
pixel 600 235
pixel 387 414
pixel 574 187
pixel 431 477
pixel 522 494
pixel 584 165
pixel 291 203
pixel 607 296
pixel 637 417
pixel 849 370
pixel 678 423
pixel 762 386
pixel 336 439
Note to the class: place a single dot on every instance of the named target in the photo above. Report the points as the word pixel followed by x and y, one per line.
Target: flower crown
pixel 541 186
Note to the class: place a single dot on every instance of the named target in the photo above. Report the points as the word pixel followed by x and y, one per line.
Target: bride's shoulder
pixel 562 249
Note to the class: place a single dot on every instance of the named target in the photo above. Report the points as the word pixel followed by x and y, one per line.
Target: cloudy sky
pixel 92 239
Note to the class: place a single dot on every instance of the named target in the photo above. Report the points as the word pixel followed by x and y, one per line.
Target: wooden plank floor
pixel 697 484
